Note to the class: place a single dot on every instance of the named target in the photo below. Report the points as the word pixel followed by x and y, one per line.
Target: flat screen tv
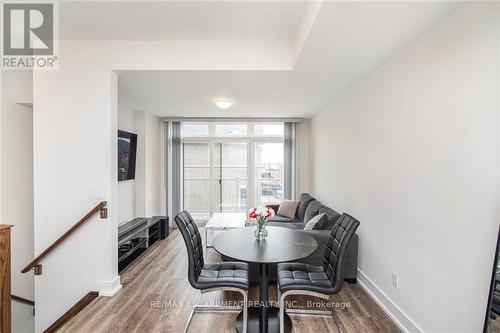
pixel 127 148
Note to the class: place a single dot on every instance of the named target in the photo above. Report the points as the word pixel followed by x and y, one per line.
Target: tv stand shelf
pixel 138 236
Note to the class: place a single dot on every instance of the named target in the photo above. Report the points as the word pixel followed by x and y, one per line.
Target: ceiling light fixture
pixel 223 103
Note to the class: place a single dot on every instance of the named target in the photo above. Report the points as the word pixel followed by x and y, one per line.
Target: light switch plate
pixel 395 280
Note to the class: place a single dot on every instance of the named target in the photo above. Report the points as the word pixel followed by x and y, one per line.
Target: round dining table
pixel 281 245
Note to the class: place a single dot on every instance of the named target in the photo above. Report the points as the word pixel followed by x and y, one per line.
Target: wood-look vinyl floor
pixel 157 297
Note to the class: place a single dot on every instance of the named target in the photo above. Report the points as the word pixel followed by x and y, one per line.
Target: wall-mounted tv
pixel 127 148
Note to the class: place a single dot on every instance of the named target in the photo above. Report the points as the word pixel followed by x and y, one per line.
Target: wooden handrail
pixel 5 278
pixel 22 300
pixel 36 261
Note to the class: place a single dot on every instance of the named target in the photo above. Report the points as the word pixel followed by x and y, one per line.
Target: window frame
pixel 215 124
pixel 196 122
pixel 250 139
pixel 268 136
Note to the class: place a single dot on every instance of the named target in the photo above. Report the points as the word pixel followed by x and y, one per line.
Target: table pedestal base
pixel 253 321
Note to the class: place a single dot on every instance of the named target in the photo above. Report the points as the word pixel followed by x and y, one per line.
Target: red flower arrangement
pixel 261 214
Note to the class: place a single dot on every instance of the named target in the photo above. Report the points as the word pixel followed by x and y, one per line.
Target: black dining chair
pixel 222 276
pixel 321 281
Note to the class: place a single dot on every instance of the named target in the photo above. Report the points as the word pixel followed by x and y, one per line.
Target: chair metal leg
pixel 337 323
pixel 308 312
pixel 206 238
pixel 223 308
pixel 245 311
pixel 189 321
pixel 281 304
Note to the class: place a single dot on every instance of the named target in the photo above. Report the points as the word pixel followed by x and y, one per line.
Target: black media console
pixel 137 236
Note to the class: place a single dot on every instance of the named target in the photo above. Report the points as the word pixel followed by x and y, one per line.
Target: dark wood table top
pixel 281 245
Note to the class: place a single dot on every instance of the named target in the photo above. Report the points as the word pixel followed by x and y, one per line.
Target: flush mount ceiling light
pixel 223 103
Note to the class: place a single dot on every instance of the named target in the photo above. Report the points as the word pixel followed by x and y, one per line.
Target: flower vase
pixel 261 214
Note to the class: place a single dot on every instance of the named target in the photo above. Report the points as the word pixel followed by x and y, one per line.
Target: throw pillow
pixel 314 221
pixel 304 201
pixel 288 208
pixel 312 210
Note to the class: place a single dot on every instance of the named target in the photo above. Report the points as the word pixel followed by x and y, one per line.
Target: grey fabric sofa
pixel 308 208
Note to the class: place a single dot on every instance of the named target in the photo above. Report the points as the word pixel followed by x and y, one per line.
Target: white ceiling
pixel 345 42
pixel 180 20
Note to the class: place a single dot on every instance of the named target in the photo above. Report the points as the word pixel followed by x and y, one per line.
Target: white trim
pixel 389 307
pixel 110 288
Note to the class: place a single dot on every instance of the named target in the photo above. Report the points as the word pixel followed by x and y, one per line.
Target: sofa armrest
pixel 274 207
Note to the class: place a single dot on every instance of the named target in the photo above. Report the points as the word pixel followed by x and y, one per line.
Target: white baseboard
pixel 110 288
pixel 391 309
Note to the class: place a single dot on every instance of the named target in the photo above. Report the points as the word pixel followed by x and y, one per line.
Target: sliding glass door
pixel 197 179
pixel 269 176
pixel 230 175
pixel 230 167
pixel 215 177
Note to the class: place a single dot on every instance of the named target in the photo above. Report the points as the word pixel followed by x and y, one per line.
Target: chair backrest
pixel 335 251
pixel 194 246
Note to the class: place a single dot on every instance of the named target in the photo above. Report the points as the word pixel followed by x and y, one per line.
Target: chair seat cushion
pixel 224 274
pixel 299 276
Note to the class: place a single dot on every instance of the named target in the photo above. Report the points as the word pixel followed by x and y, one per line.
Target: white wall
pixel 142 197
pixel 140 168
pixel 126 188
pixel 16 200
pixel 74 168
pixel 413 152
pixel 153 165
pixel 75 152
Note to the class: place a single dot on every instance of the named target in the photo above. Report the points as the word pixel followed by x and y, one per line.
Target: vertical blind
pixel 176 167
pixel 289 145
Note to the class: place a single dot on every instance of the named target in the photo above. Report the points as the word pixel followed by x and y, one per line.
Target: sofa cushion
pixel 304 201
pixel 330 217
pixel 288 208
pixel 312 210
pixel 282 219
pixel 290 225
